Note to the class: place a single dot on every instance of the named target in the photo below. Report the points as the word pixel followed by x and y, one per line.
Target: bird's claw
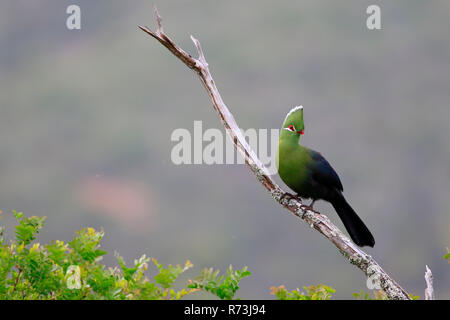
pixel 310 206
pixel 289 196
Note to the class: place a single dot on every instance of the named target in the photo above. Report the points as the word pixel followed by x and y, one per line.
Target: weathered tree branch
pixel 314 219
pixel 429 291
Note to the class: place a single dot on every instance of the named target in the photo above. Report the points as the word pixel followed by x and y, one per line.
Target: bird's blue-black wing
pixel 323 173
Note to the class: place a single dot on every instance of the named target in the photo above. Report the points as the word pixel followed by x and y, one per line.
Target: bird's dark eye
pixel 291 127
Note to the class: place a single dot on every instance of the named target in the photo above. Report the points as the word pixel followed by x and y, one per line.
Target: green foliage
pixel 377 295
pixel 72 271
pixel 224 286
pixel 447 256
pixel 28 228
pixel 413 297
pixel 168 275
pixel 318 292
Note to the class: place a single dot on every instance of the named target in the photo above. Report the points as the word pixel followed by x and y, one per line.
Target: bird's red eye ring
pixel 291 127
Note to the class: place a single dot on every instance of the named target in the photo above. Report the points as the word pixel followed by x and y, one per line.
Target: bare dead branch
pixel 429 291
pixel 158 20
pixel 314 219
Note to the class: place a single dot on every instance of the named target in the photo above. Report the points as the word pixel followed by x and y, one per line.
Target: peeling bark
pixel 429 291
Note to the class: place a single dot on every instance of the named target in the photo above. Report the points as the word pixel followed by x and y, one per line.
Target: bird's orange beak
pixel 301 132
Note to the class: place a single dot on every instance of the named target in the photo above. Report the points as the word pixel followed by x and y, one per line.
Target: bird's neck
pixel 289 137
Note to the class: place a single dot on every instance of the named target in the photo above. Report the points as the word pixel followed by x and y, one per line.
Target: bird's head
pixel 293 124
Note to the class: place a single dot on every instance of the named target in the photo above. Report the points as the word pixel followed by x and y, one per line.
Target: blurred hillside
pixel 86 118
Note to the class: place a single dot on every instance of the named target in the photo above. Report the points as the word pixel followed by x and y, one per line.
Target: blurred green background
pixel 86 118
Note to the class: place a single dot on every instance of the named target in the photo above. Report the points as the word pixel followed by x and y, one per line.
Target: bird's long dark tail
pixel 356 228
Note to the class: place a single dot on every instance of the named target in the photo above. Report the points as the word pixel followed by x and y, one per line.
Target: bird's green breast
pixel 292 161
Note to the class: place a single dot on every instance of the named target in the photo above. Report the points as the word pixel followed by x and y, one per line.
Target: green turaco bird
pixel 310 175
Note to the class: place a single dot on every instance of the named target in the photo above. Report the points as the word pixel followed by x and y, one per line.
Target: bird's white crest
pixel 291 111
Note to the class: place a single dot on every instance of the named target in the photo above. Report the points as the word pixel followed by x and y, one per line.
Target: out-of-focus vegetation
pixel 61 271
pixel 86 118
pixel 73 271
pixel 319 292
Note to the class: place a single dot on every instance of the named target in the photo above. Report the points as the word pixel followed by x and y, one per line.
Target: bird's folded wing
pixel 323 173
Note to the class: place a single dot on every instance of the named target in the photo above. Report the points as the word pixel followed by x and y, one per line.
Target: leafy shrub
pixel 318 292
pixel 64 271
pixel 377 295
pixel 73 270
pixel 224 287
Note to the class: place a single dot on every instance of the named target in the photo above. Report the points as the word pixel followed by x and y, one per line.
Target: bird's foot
pixel 289 196
pixel 310 206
